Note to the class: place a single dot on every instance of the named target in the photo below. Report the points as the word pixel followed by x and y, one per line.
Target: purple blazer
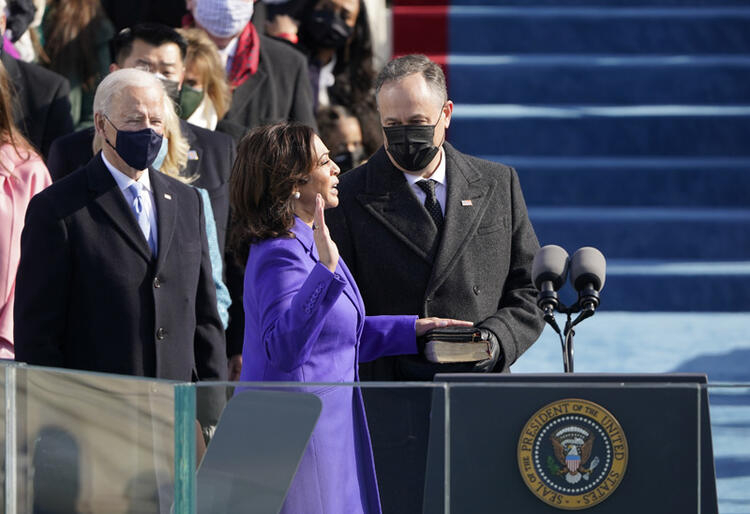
pixel 306 324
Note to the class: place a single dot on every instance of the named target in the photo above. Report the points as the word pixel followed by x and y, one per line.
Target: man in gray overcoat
pixel 428 230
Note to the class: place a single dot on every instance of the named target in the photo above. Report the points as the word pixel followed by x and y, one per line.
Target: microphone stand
pixel 567 335
pixel 549 303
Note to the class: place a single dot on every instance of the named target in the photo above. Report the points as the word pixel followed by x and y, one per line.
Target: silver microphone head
pixel 588 266
pixel 550 264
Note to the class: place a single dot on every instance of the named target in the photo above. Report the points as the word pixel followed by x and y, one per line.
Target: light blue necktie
pixel 137 191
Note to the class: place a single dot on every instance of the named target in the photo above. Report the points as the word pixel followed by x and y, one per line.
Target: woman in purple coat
pixel 304 316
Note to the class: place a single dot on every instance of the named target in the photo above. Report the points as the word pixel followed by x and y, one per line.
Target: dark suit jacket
pixel 480 270
pixel 215 154
pixel 41 107
pixel 90 296
pixel 279 90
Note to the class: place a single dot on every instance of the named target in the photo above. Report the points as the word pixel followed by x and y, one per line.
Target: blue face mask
pixel 162 154
pixel 139 149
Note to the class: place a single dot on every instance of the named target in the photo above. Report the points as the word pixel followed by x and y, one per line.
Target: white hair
pixel 114 83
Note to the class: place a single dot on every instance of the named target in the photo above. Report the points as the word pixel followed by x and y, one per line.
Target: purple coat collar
pixel 304 234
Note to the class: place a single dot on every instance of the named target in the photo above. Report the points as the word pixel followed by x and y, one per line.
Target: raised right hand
pixel 328 252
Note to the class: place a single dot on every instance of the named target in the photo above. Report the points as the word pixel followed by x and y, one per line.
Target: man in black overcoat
pixel 115 274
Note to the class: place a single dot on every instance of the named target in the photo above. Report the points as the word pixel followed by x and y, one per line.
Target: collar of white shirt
pixel 227 53
pixel 123 181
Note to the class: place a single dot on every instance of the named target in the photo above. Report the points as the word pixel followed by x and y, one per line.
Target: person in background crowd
pixel 41 108
pixel 335 34
pixel 267 78
pixel 22 175
pixel 449 235
pixel 76 36
pixel 117 252
pixel 24 19
pixel 305 320
pixel 204 97
pixel 20 15
pixel 340 131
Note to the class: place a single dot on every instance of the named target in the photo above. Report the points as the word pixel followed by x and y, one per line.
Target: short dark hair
pixel 271 162
pixel 154 34
pixel 397 69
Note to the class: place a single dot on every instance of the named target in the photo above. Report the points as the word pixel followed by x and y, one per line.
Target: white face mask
pixel 223 18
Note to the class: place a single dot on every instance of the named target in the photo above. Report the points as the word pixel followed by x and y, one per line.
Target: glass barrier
pixel 86 442
pixel 320 448
pixel 730 430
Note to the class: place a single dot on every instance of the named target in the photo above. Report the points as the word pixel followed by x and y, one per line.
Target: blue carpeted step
pixel 648 233
pixel 598 30
pixel 592 79
pixel 676 286
pixel 628 182
pixel 671 130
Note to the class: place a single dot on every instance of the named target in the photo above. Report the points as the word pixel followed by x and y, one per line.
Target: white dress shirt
pixel 227 53
pixel 149 205
pixel 438 176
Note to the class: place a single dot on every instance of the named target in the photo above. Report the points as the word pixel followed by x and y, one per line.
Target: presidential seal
pixel 572 454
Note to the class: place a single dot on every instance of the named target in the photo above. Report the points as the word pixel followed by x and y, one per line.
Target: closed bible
pixel 456 344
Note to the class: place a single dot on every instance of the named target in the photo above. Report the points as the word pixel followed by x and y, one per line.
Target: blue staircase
pixel 629 124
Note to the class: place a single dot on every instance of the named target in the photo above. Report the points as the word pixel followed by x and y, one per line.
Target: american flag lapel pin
pixel 167 196
pixel 466 203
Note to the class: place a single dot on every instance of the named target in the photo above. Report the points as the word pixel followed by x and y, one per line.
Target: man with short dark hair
pixel 429 230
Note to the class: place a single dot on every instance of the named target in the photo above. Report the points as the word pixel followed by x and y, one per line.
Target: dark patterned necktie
pixel 431 202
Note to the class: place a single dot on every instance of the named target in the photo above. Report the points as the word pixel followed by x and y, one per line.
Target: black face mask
pixel 327 30
pixel 411 146
pixel 349 160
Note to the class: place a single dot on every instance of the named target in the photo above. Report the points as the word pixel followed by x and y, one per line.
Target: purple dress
pixel 306 324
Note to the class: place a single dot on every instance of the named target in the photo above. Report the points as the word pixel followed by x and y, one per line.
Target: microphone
pixel 588 269
pixel 548 272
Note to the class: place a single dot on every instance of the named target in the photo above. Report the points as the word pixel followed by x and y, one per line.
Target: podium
pixel 600 443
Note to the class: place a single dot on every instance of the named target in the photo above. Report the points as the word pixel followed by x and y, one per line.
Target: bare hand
pixel 234 367
pixel 281 24
pixel 328 252
pixel 426 324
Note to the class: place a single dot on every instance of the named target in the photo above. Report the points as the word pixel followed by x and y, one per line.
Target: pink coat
pixel 21 177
